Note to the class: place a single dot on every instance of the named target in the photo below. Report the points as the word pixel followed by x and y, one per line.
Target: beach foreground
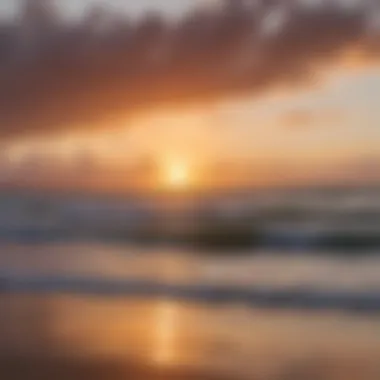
pixel 74 337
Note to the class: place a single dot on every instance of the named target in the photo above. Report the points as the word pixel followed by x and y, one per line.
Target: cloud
pixel 56 76
pixel 301 118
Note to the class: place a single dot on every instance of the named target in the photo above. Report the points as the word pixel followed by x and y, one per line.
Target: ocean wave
pixel 267 297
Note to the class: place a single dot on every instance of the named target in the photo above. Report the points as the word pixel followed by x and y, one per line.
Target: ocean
pixel 95 305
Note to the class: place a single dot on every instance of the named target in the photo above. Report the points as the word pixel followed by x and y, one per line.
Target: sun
pixel 177 175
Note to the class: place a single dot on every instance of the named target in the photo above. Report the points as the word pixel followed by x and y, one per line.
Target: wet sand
pixel 83 337
pixel 67 337
pixel 40 368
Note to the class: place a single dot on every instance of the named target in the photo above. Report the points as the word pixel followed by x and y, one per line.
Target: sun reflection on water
pixel 166 318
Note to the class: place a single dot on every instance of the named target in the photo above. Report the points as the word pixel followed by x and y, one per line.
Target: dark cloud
pixel 55 76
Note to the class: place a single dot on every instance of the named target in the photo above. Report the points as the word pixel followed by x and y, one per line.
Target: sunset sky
pixel 324 126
